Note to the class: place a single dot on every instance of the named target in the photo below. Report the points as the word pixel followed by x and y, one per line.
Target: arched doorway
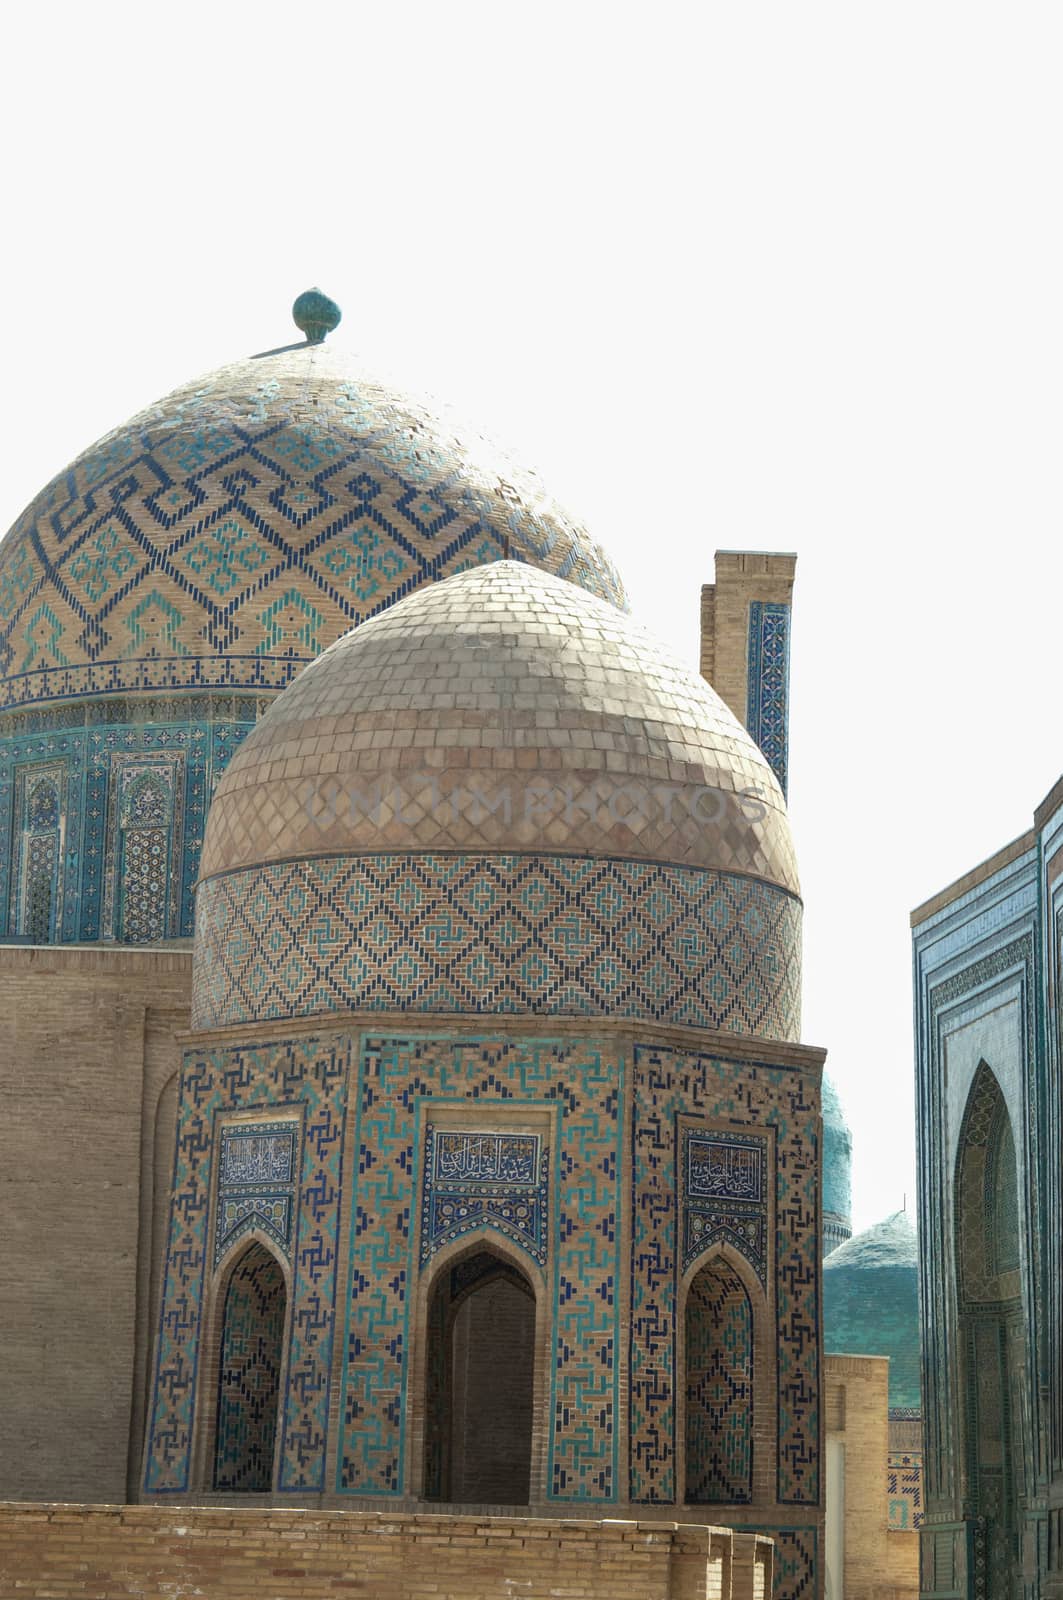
pixel 992 1333
pixel 718 1346
pixel 479 1383
pixel 249 1370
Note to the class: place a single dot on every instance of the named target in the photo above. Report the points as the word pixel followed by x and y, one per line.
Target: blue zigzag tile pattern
pixel 502 933
pixel 718 1356
pixel 226 535
pixel 768 683
pixel 251 1356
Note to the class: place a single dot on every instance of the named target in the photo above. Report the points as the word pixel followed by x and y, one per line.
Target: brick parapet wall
pixel 88 1045
pixel 741 577
pixel 879 1563
pixel 68 1552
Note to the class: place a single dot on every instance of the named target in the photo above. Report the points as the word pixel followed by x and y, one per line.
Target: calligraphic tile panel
pixel 725 1198
pixel 479 1179
pixel 256 1184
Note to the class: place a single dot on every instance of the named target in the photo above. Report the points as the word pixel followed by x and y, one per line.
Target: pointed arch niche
pixel 725 1381
pixel 249 1341
pixel 480 1373
pixel 37 888
pixel 725 1367
pixel 144 875
pixel 992 1331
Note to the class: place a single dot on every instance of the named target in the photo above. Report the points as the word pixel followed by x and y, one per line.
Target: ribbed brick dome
pixel 502 709
pixel 500 796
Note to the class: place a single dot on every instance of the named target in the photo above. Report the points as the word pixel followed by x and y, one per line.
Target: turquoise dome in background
pixel 871 1304
pixel 837 1170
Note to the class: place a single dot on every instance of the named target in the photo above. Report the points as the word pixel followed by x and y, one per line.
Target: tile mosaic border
pixel 498 934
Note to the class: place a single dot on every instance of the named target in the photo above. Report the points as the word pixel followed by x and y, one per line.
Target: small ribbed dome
pixel 226 535
pixel 503 709
pixel 871 1303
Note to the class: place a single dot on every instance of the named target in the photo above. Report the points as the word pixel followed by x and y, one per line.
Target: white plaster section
pixel 834 1588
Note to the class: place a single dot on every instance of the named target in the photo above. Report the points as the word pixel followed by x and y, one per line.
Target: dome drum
pixel 498 934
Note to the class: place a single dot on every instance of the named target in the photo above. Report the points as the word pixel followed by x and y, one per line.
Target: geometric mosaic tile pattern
pixel 768 683
pixel 904 1489
pixel 39 807
pixel 580 1087
pixel 249 1373
pixel 719 1389
pixel 476 1179
pixel 309 1078
pixel 498 934
pixel 502 709
pixel 669 1084
pixel 119 873
pixel 796 1557
pixel 987 1209
pixel 224 536
pixel 992 1402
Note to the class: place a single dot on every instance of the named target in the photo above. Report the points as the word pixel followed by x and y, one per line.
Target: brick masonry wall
pixel 880 1564
pixel 98 1552
pixel 741 576
pixel 86 1048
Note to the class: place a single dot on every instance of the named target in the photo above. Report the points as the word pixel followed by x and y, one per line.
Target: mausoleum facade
pixel 467 1154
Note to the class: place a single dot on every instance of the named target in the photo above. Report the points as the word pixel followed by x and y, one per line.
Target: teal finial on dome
pixel 315 315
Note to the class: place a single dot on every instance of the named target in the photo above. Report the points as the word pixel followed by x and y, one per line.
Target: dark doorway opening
pixel 992 1328
pixel 249 1371
pixel 479 1384
pixel 718 1332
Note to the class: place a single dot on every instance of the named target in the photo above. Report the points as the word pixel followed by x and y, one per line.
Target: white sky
pixel 766 276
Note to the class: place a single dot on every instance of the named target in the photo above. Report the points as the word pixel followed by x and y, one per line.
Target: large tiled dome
pixel 229 533
pixel 500 752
